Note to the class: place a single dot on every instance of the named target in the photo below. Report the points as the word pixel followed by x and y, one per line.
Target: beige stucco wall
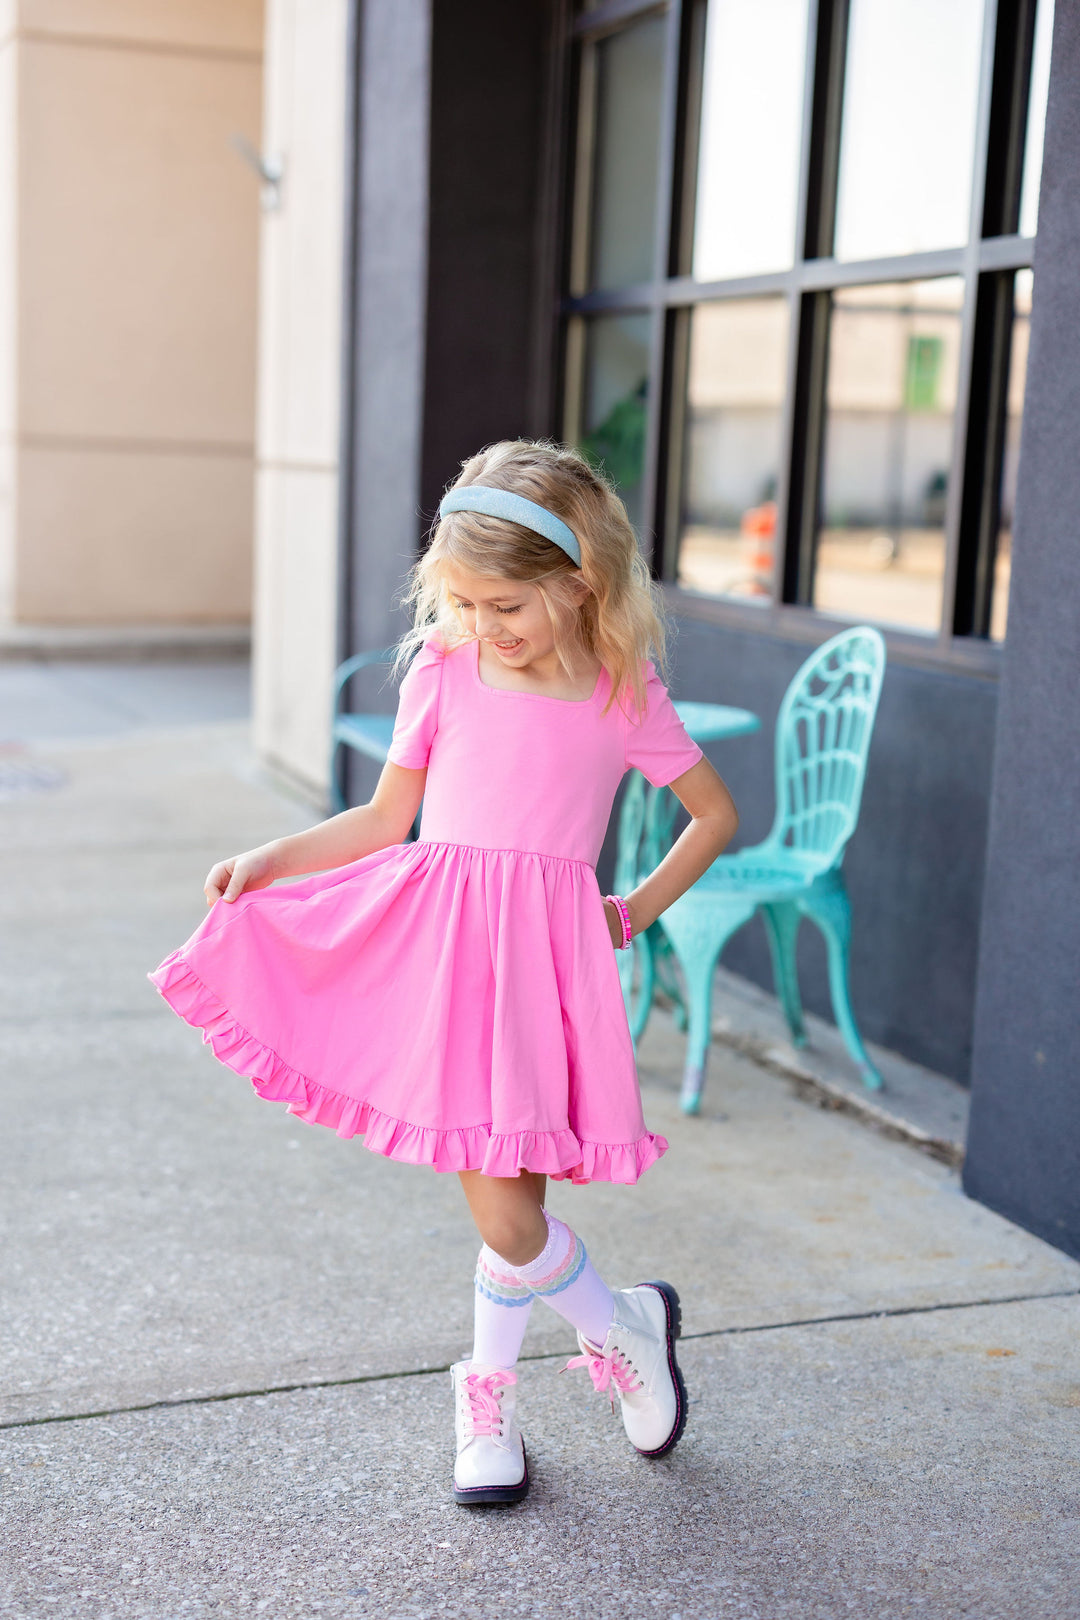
pixel 299 385
pixel 128 247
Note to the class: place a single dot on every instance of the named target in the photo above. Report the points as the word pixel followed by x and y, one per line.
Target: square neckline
pixel 544 697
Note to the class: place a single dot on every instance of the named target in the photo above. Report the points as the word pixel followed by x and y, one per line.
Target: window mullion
pixel 807 444
pixel 804 406
pixel 651 516
pixel 573 379
pixel 688 142
pixel 824 116
pixel 817 187
pixel 951 609
pixel 673 446
pixel 1008 116
pixel 985 448
pixel 581 180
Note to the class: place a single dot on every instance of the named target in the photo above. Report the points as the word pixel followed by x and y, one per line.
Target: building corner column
pixel 1023 1156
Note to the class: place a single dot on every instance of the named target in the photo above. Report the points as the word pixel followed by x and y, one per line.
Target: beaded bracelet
pixel 624 917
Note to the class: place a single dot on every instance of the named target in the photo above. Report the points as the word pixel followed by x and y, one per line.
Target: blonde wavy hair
pixel 621 619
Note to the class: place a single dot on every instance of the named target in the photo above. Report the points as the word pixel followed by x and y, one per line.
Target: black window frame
pixel 987 262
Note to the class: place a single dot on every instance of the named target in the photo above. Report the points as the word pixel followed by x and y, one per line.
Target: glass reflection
pixel 1014 411
pixel 628 76
pixel 751 123
pixel 890 399
pixel 734 399
pixel 908 132
pixel 614 403
pixel 1036 120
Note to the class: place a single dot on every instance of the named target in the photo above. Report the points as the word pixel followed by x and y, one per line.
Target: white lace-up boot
pixel 637 1362
pixel 490 1465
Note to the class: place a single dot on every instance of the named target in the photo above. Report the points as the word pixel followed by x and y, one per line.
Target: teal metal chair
pixel 646 818
pixel 645 836
pixel 369 734
pixel 823 733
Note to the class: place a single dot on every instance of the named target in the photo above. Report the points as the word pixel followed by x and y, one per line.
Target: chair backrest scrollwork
pixel 823 733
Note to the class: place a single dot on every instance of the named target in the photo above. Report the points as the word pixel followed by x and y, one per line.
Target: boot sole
pixel 490 1495
pixel 674 1330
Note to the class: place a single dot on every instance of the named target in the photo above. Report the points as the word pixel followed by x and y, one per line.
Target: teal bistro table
pixel 646 819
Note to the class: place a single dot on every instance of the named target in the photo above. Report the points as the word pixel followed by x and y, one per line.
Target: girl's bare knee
pixel 517 1231
pixel 515 1239
pixel 509 1215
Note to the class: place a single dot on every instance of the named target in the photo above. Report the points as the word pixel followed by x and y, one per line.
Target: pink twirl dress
pixel 454 1000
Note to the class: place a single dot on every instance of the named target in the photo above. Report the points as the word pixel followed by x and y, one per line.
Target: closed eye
pixel 515 609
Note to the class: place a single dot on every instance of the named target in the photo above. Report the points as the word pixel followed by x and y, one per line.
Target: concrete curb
pixel 50 643
pixel 825 1093
pixel 928 1111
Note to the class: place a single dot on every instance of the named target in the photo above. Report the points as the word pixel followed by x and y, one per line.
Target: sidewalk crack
pixel 547 1355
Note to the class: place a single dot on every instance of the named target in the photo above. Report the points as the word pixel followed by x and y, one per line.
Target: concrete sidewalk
pixel 224 1332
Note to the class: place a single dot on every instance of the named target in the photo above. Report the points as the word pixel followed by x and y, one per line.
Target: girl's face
pixel 506 613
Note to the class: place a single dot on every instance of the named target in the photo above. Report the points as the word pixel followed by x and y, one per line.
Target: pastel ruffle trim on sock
pixel 499 1285
pixel 567 1271
pixel 558 1154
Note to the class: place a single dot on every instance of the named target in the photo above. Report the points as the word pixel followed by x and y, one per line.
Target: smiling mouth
pixel 508 646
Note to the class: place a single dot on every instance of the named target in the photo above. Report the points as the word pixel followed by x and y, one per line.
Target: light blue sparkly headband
pixel 503 503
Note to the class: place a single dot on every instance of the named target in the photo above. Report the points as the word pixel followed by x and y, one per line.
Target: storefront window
pixel 908 130
pixel 613 406
pixel 751 127
pixel 803 409
pixel 890 400
pixel 627 72
pixel 732 447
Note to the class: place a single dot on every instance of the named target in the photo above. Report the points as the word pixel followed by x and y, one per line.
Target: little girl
pixel 456 1000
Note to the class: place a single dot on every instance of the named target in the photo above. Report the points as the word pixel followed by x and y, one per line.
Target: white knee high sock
pixel 500 1313
pixel 564 1278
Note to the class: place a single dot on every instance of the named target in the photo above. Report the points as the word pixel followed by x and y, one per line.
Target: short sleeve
pixel 657 743
pixel 418 709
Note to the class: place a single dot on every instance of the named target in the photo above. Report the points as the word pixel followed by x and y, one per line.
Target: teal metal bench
pixel 368 734
pixel 823 733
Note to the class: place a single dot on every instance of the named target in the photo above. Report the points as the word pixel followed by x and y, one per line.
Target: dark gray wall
pixel 487 102
pixel 445 258
pixel 1024 1144
pixel 384 320
pixel 915 865
pixel 386 324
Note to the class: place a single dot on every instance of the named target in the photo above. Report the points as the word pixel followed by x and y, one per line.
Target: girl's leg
pixel 630 1348
pixel 490 1465
pixel 511 1210
pixel 526 1250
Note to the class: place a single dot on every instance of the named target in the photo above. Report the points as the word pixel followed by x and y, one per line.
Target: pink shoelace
pixel 606 1371
pixel 482 1400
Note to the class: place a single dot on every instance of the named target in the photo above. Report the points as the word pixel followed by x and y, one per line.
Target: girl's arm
pixel 347 837
pixel 712 827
